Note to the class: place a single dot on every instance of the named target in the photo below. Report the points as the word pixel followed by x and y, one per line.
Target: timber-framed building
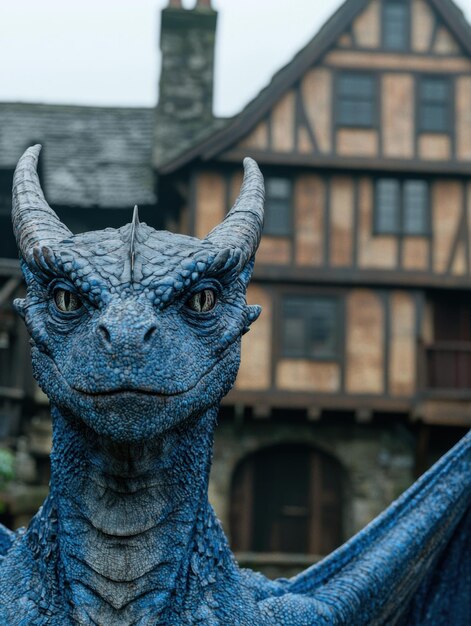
pixel 358 373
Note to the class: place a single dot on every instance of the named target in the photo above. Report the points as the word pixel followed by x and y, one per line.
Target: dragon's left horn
pixel 242 226
pixel 34 222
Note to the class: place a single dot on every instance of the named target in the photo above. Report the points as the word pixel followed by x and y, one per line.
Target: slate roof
pixel 92 156
pixel 238 126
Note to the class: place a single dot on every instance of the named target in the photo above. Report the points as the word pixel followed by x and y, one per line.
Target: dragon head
pixel 134 330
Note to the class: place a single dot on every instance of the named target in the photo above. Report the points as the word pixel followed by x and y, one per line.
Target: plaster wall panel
pixel 341 221
pixel 316 90
pixel 357 142
pixel 402 363
pixel 433 147
pixel 463 117
pixel 459 265
pixel 210 202
pixel 255 368
pixel 309 197
pixel 306 375
pixel 304 142
pixel 282 124
pixel 274 250
pixel 398 115
pixel 415 253
pixel 364 358
pixel 366 27
pixel 445 43
pixel 257 139
pixel 446 210
pixel 423 22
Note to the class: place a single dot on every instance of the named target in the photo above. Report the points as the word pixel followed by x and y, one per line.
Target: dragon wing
pixel 6 539
pixel 411 565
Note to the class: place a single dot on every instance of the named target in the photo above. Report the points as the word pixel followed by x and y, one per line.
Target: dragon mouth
pixel 130 391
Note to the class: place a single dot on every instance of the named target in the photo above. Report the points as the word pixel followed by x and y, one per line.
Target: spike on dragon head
pixel 134 330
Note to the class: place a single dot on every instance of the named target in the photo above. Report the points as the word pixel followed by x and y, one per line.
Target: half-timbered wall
pixel 379 337
pixel 337 167
pixel 305 123
pixel 334 230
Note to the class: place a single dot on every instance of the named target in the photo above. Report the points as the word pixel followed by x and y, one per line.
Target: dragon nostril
pixel 149 333
pixel 105 333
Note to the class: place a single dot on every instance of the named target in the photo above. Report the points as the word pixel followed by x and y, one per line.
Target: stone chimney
pixel 185 104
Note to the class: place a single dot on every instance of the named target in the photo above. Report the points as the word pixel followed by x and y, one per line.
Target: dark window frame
pixel 401 209
pixel 268 229
pixel 294 296
pixel 341 123
pixel 420 103
pixel 408 26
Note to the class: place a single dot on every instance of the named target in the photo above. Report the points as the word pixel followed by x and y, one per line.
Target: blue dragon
pixel 135 337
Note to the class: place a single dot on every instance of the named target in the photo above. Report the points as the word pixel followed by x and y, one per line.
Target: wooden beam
pixel 342 402
pixel 355 276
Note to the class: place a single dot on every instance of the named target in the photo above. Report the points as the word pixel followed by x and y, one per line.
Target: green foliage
pixel 6 471
pixel 6 467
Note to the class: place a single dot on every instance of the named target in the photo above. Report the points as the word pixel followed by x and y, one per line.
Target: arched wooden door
pixel 287 498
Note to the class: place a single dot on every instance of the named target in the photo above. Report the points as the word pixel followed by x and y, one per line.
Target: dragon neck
pixel 129 516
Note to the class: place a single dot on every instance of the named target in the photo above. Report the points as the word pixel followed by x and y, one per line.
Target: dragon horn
pixel 34 222
pixel 242 226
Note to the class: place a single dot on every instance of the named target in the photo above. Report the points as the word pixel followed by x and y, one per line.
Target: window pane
pixel 434 90
pixel 310 327
pixel 415 207
pixel 293 336
pixel 434 104
pixel 278 206
pixel 356 100
pixel 356 85
pixel 387 206
pixel 323 327
pixel 434 117
pixel 355 112
pixel 278 188
pixel 395 25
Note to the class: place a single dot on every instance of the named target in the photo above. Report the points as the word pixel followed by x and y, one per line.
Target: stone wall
pixel 378 461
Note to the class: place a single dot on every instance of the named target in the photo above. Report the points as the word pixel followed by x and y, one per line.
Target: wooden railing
pixel 448 365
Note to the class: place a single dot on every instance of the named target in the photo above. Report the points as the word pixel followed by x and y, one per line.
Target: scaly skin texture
pixel 135 369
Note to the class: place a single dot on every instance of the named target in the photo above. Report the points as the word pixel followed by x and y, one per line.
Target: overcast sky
pixel 105 52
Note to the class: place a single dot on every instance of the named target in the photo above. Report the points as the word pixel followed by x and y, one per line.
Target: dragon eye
pixel 202 301
pixel 66 301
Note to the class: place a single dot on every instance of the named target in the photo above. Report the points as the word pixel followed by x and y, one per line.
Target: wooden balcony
pixel 448 366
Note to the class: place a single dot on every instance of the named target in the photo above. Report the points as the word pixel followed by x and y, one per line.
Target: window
pixel 277 206
pixel 415 207
pixel 388 201
pixel 396 24
pixel 356 100
pixel 434 105
pixel 310 327
pixel 401 207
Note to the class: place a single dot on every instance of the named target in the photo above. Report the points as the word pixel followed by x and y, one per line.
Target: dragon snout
pixel 134 337
pixel 126 329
